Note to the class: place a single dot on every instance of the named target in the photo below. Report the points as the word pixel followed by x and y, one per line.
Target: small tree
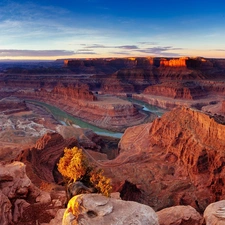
pixel 100 182
pixel 74 166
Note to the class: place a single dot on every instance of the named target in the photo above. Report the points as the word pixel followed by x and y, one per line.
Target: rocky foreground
pixel 174 166
pixel 21 202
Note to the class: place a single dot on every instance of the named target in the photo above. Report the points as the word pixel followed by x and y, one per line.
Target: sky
pixel 60 29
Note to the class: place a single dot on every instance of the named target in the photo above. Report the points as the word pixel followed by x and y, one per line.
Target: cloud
pixel 160 50
pixel 132 49
pixel 128 47
pixel 85 52
pixel 120 53
pixel 34 53
pixel 147 43
pixel 96 46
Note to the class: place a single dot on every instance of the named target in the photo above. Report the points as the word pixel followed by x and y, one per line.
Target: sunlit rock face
pixel 179 215
pixel 100 210
pixel 194 63
pixel 214 214
pixel 180 62
pixel 178 159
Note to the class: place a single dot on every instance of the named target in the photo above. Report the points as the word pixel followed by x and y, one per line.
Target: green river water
pixel 67 119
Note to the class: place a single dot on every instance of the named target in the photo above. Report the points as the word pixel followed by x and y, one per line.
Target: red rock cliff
pixel 178 159
pixel 81 93
pixel 180 62
pixel 186 90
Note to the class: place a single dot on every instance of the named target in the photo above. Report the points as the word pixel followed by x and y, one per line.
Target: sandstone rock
pixel 108 112
pixel 99 66
pixel 16 189
pixel 5 210
pixel 214 214
pixel 44 198
pixel 129 81
pixel 177 90
pixel 58 218
pixel 44 157
pixel 223 107
pixel 180 62
pixel 85 137
pixel 179 215
pixel 14 181
pixel 12 105
pixel 176 160
pixel 81 93
pixel 97 209
pixel 20 206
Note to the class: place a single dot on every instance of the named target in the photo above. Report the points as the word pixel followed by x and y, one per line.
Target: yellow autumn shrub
pixel 74 166
pixel 100 182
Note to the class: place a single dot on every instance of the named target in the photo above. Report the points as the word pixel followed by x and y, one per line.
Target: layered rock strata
pixel 43 158
pixel 104 111
pixel 186 90
pixel 178 159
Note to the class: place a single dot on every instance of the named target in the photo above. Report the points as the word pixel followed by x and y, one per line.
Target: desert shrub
pixel 74 166
pixel 100 182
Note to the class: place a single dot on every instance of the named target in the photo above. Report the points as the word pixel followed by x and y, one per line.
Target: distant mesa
pixel 188 62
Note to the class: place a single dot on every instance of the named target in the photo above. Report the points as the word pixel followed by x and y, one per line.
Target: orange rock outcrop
pixel 177 160
pixel 180 62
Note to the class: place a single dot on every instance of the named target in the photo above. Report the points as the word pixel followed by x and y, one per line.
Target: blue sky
pixel 52 29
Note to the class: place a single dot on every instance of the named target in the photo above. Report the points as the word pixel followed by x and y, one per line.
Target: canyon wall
pixel 104 111
pixel 178 159
pixel 185 90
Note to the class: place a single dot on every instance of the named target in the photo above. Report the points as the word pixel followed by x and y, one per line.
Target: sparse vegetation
pixel 74 166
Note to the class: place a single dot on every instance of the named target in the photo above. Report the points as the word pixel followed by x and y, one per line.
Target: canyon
pixel 163 162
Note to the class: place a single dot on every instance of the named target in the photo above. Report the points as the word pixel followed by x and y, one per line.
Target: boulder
pixel 58 218
pixel 100 210
pixel 5 210
pixel 214 214
pixel 14 181
pixel 15 189
pixel 179 215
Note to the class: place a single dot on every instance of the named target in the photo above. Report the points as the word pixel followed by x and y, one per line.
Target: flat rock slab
pixel 96 209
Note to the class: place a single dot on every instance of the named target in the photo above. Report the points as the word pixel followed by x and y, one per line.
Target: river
pixel 67 119
pixel 147 107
